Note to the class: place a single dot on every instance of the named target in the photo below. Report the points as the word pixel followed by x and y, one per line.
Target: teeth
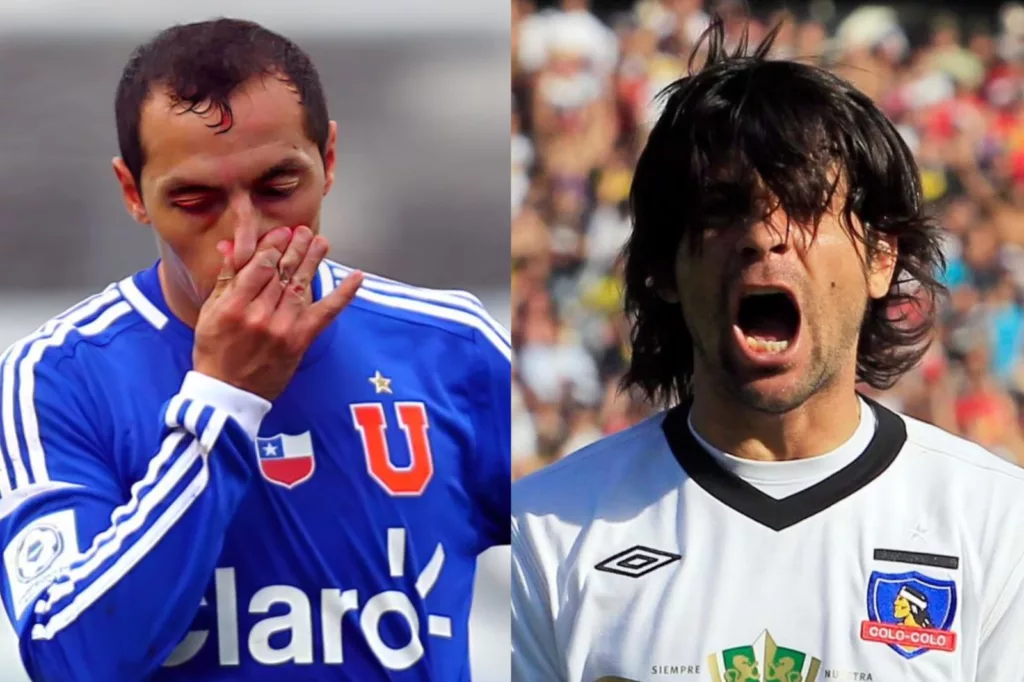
pixel 766 346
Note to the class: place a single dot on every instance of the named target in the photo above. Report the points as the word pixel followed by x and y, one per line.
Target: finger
pixel 245 244
pixel 264 306
pixel 278 238
pixel 323 312
pixel 295 296
pixel 296 252
pixel 294 255
pixel 227 269
pixel 297 288
pixel 262 267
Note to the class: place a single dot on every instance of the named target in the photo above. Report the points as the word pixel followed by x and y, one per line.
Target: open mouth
pixel 768 321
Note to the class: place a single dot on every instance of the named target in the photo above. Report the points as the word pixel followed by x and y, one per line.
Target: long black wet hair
pixel 808 139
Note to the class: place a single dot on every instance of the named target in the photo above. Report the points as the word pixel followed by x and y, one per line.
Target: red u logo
pixel 371 422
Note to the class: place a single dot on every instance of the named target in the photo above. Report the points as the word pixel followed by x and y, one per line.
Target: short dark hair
pixel 803 134
pixel 202 65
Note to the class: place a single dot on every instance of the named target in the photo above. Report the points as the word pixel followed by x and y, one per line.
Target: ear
pixel 330 156
pixel 131 194
pixel 882 267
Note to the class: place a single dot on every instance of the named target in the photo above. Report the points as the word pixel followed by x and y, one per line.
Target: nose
pixel 243 217
pixel 764 237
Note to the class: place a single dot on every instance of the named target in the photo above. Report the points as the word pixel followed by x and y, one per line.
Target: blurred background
pixel 584 74
pixel 420 93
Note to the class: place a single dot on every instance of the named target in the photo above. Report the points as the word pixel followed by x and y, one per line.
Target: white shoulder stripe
pixel 455 299
pixel 326 279
pixel 8 370
pixel 377 279
pixel 27 381
pixel 18 371
pixel 105 295
pixel 142 305
pixel 444 313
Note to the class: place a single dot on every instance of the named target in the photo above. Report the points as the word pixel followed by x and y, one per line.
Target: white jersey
pixel 644 558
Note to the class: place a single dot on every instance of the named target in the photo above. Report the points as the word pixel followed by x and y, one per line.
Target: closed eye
pixel 193 204
pixel 280 190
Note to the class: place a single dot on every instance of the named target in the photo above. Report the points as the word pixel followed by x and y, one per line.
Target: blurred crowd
pixel 583 99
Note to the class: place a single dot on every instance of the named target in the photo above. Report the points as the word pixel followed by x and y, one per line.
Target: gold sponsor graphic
pixel 763 661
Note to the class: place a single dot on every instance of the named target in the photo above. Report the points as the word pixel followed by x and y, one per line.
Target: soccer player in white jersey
pixel 770 523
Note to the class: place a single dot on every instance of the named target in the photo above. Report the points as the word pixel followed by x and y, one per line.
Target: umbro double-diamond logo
pixel 637 561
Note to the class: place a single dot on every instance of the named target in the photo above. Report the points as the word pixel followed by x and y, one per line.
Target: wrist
pixel 248 409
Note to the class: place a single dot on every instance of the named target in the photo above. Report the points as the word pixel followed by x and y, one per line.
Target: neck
pixel 180 302
pixel 821 424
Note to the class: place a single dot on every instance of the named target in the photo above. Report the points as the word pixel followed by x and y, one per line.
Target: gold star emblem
pixel 381 383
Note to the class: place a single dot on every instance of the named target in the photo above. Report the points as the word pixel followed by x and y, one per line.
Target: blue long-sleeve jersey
pixel 157 524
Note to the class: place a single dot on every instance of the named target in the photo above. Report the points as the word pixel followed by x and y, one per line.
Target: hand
pixel 254 329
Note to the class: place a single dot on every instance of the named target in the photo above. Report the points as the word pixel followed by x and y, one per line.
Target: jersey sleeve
pixel 492 461
pixel 534 656
pixel 1000 655
pixel 102 577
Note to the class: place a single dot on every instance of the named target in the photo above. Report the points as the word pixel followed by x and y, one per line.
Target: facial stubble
pixel 736 383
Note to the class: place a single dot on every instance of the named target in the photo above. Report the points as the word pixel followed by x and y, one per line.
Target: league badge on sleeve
pixel 911 612
pixel 286 460
pixel 37 555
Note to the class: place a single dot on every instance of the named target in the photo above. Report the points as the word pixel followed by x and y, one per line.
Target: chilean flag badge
pixel 286 460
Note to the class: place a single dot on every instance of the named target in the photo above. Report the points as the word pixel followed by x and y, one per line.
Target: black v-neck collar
pixel 734 492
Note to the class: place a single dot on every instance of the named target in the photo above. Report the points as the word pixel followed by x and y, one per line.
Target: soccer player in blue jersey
pixel 205 472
